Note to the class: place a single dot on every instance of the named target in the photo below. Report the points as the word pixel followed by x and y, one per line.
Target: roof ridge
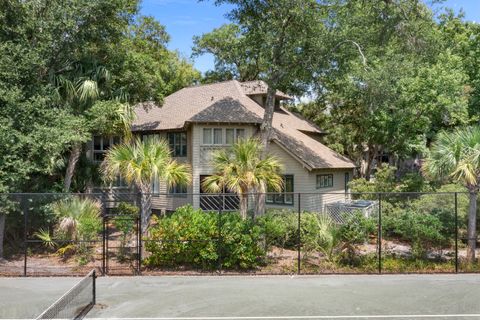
pixel 208 84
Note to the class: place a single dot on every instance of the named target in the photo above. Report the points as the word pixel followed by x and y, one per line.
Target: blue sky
pixel 187 18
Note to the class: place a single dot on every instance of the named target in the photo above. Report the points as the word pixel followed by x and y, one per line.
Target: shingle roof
pixel 228 102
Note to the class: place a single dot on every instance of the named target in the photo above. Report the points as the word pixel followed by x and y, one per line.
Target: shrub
pixel 423 231
pixel 191 237
pixel 356 230
pixel 78 220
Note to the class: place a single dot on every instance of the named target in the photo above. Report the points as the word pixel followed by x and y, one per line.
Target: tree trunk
pixel 472 227
pixel 145 209
pixel 243 205
pixel 266 127
pixel 72 163
pixel 2 233
pixel 260 200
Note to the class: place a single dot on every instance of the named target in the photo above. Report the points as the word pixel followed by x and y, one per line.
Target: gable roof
pixel 228 102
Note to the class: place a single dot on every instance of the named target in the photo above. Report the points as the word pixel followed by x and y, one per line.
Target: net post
pixel 456 232
pixel 379 237
pixel 299 240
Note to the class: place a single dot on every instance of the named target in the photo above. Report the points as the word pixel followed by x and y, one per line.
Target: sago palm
pixel 140 163
pixel 242 170
pixel 456 155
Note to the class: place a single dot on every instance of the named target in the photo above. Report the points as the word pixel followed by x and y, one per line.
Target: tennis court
pixel 255 297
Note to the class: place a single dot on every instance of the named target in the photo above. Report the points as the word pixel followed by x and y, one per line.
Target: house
pixel 198 120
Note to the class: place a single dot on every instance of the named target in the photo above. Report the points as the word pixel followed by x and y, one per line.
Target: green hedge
pixel 191 238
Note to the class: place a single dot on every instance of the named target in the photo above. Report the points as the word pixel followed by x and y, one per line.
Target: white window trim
pixel 224 136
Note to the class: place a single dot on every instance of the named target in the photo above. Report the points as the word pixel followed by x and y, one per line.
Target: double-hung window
pixel 324 181
pixel 285 197
pixel 178 143
pixel 212 136
pixel 220 136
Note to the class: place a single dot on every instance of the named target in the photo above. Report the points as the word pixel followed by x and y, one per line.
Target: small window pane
pixel 207 136
pixel 230 136
pixel 106 143
pixel 97 143
pixel 324 181
pixel 217 136
pixel 240 134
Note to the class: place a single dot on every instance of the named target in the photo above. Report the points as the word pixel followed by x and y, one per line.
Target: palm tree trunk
pixel 72 163
pixel 472 227
pixel 243 205
pixel 260 200
pixel 2 233
pixel 145 209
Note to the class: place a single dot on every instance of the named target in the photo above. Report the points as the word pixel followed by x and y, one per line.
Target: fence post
pixel 139 245
pixel 24 203
pixel 299 259
pixel 379 237
pixel 456 232
pixel 219 234
pixel 104 237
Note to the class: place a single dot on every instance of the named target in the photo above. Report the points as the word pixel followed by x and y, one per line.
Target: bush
pixel 423 231
pixel 356 230
pixel 191 237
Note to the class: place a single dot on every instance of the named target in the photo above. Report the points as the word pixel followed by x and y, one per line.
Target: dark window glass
pixel 324 181
pixel 178 143
pixel 285 196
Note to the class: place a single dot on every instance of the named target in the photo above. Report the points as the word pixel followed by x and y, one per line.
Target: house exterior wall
pixel 198 156
pixel 311 199
pixel 201 153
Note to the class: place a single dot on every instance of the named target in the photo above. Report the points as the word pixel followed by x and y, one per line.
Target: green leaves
pixel 456 155
pixel 140 162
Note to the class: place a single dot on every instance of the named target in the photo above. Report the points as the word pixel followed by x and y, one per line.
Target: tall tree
pixel 233 58
pixel 389 86
pixel 456 155
pixel 281 35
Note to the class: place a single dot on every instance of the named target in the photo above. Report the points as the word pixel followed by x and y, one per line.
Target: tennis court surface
pixel 254 297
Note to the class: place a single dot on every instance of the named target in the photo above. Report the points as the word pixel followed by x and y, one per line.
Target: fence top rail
pixel 106 193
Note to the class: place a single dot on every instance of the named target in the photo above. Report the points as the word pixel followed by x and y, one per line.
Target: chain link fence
pixel 289 233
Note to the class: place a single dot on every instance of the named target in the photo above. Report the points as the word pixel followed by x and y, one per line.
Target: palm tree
pixel 243 170
pixel 140 163
pixel 79 87
pixel 457 155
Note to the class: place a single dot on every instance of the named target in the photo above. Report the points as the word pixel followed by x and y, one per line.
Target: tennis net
pixel 76 302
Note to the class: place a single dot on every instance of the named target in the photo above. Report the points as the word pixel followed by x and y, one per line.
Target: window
pixel 178 143
pixel 178 191
pixel 324 181
pixel 286 196
pixel 226 136
pixel 101 145
pixel 156 185
pixel 217 136
pixel 347 180
pixel 230 136
pixel 240 134
pixel 207 136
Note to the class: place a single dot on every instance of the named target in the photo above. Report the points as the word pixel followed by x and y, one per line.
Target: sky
pixel 187 18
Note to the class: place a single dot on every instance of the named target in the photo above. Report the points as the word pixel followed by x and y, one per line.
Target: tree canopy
pixel 64 69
